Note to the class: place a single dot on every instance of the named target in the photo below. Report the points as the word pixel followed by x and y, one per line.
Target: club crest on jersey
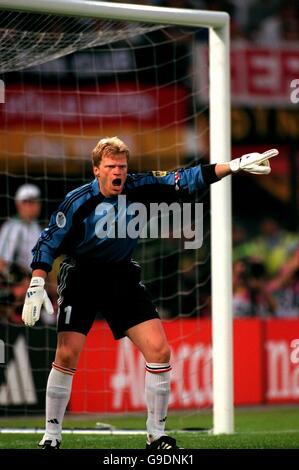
pixel 60 220
pixel 159 174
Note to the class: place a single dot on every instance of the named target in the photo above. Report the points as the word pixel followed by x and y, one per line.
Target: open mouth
pixel 116 182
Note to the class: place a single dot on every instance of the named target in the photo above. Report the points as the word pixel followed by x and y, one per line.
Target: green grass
pixel 255 428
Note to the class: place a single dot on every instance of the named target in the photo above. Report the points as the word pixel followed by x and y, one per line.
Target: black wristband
pixel 39 265
pixel 209 173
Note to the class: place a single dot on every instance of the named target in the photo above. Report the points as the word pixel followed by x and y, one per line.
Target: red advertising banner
pixel 91 106
pixel 62 125
pixel 249 374
pixel 282 363
pixel 110 374
pixel 265 76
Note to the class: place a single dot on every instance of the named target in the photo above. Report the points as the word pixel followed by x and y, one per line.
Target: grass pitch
pixel 255 428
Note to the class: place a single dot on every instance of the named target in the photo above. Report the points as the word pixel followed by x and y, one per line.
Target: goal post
pixel 219 90
pixel 221 234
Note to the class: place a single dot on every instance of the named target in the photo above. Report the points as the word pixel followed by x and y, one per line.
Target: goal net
pixel 67 82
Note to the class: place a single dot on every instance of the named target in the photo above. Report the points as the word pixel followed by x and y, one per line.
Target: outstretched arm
pixel 257 163
pixel 222 169
pixel 196 177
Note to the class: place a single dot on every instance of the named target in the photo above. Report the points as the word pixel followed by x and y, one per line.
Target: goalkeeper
pixel 98 275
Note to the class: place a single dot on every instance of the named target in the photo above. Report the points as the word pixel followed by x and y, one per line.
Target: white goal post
pixel 220 151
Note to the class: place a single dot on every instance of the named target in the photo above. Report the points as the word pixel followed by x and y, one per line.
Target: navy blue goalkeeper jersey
pixel 73 229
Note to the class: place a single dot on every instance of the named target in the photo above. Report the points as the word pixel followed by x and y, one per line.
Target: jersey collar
pixel 95 187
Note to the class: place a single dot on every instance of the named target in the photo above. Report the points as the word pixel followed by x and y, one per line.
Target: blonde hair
pixel 108 146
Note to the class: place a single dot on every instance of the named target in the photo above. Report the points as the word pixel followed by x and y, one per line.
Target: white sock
pixel 57 397
pixel 157 389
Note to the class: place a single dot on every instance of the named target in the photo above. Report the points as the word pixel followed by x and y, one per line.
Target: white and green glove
pixel 257 163
pixel 36 298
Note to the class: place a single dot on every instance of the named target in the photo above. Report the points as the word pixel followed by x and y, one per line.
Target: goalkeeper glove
pixel 36 297
pixel 257 163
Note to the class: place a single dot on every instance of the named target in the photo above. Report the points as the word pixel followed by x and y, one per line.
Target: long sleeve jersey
pixel 73 229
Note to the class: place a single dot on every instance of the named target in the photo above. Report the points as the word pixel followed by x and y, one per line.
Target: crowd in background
pixel 266 271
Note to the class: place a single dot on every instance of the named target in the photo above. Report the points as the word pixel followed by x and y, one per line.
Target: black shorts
pixel 114 291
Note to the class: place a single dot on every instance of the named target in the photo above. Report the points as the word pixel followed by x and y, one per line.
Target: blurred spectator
pixel 242 246
pixel 262 19
pixel 251 298
pixel 241 12
pixel 272 246
pixel 285 288
pixel 258 294
pixel 18 235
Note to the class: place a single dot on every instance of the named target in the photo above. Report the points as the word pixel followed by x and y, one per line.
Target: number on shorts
pixel 68 311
